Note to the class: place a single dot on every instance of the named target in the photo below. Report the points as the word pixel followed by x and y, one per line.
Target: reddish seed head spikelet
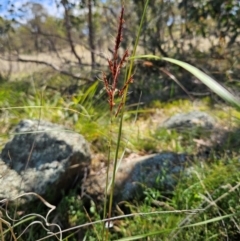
pixel 130 80
pixel 124 58
pixel 118 109
pixel 118 40
pixel 115 66
pixel 111 67
pixel 105 82
pixel 119 34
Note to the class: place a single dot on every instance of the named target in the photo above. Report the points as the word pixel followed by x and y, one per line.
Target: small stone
pixel 190 119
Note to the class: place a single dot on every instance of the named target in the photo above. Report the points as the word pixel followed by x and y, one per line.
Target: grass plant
pixel 115 66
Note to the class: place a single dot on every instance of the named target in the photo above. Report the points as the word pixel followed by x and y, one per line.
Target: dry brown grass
pixel 19 69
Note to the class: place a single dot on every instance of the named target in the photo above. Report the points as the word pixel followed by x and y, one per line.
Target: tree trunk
pixel 91 33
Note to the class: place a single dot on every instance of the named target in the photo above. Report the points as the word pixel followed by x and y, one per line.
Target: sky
pixel 50 6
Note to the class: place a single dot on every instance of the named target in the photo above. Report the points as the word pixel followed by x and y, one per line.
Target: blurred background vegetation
pixel 77 37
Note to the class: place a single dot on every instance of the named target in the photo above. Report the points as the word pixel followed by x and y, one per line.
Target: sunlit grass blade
pixel 204 78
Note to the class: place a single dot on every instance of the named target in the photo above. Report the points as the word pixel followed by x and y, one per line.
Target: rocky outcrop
pixel 161 170
pixel 42 157
pixel 46 158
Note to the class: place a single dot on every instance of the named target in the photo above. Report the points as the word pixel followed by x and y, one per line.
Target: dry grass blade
pixel 45 224
pixel 195 211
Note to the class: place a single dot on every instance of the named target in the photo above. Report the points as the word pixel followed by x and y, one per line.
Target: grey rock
pixel 160 171
pixel 10 182
pixel 42 157
pixel 190 119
